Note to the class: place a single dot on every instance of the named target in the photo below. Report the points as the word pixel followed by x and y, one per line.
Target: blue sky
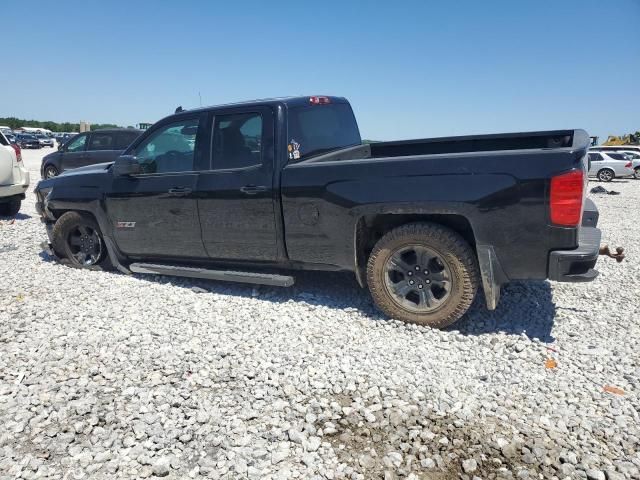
pixel 410 69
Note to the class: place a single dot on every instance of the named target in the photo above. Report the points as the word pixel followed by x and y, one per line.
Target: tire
pixel 449 266
pixel 636 173
pixel 78 240
pixel 606 175
pixel 49 172
pixel 10 208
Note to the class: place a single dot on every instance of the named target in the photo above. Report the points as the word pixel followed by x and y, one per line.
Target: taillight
pixel 567 196
pixel 629 165
pixel 16 147
pixel 319 100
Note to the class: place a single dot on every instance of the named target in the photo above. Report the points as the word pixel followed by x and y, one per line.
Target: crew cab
pixel 253 191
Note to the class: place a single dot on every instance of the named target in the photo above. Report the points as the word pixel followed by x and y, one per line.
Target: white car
pixel 14 178
pixel 634 156
pixel 606 166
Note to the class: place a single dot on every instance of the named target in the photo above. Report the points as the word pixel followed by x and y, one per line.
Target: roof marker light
pixel 319 100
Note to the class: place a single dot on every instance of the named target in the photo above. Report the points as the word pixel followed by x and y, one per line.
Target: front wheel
pixel 11 208
pixel 606 175
pixel 423 273
pixel 77 238
pixel 50 171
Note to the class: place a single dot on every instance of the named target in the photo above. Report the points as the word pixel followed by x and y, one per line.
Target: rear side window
pixel 101 141
pixel 617 156
pixel 123 139
pixel 318 129
pixel 595 157
pixel 237 141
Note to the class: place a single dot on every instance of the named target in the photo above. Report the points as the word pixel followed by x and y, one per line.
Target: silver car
pixel 606 166
pixel 634 156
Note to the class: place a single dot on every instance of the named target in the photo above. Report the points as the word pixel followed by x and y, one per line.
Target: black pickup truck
pixel 251 191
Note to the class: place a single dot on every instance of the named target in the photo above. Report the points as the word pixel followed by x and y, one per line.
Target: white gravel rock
pixel 104 375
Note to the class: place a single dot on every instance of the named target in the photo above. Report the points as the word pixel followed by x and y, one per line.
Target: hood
pixel 90 169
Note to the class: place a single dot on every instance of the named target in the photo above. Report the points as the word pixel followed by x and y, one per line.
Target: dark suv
pixel 99 146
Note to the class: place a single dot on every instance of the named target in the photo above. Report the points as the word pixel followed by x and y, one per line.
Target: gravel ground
pixel 104 375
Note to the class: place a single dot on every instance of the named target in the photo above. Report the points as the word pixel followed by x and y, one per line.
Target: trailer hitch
pixel 619 255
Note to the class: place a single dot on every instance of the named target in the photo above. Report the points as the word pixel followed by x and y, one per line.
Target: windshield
pixel 317 129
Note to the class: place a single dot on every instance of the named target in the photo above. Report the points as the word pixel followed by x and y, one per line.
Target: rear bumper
pixel 17 189
pixel 577 265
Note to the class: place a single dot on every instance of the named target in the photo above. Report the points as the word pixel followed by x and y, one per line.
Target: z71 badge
pixel 125 224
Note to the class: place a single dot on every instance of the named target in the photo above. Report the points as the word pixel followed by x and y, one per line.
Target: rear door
pixel 154 213
pixel 74 153
pixel 236 195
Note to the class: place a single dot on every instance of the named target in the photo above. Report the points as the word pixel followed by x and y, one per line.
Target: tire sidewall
pixel 460 281
pixel 48 168
pixel 63 227
pixel 604 179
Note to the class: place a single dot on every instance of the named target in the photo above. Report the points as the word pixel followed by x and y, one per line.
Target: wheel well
pixel 371 228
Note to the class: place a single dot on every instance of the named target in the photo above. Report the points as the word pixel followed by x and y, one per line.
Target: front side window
pixel 101 141
pixel 237 141
pixel 77 144
pixel 170 148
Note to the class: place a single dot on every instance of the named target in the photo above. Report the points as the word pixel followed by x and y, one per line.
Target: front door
pixel 236 202
pixel 155 213
pixel 74 154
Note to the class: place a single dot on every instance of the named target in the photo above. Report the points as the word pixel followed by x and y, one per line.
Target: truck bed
pixel 497 185
pixel 450 145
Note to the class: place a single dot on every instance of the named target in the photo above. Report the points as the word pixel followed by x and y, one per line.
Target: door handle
pixel 253 189
pixel 179 191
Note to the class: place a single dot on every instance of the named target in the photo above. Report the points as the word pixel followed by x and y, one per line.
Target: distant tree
pixel 13 123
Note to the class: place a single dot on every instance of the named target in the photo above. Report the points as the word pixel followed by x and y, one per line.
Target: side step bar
pixel 224 275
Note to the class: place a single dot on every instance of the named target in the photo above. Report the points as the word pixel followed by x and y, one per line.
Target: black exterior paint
pixel 306 214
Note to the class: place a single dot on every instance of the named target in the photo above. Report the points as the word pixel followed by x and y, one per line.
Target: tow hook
pixel 619 255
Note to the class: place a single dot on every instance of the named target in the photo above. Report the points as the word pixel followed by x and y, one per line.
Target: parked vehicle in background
pixel 616 148
pixel 26 140
pixel 14 178
pixel 88 148
pixel 606 166
pixel 11 137
pixel 44 140
pixel 634 156
pixel 288 184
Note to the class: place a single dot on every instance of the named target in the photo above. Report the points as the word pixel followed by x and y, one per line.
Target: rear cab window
pixel 318 129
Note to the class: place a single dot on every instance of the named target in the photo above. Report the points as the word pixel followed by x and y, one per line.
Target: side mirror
pixel 60 148
pixel 126 165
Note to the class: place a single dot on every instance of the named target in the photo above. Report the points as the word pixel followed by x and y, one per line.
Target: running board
pixel 223 275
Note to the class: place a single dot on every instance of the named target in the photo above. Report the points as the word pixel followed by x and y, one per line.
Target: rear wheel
pixel 77 238
pixel 606 175
pixel 50 171
pixel 423 273
pixel 636 173
pixel 11 208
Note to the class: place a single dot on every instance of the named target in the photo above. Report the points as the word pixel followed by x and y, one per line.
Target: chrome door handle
pixel 179 191
pixel 253 189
